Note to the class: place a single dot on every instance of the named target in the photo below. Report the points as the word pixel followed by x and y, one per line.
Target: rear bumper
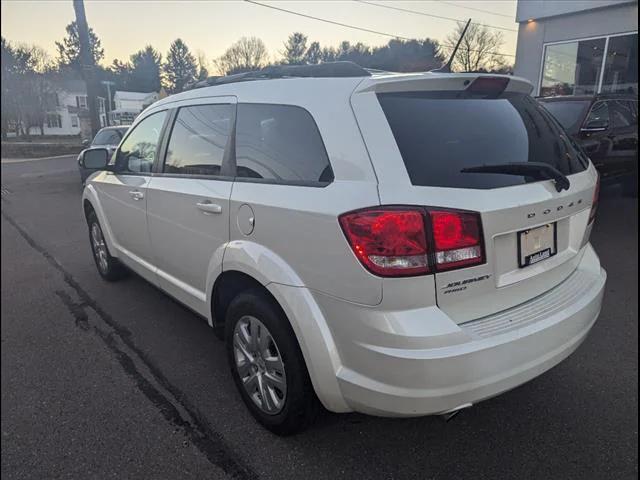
pixel 403 374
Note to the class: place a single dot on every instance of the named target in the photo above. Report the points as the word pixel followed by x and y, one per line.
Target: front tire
pixel 108 267
pixel 267 365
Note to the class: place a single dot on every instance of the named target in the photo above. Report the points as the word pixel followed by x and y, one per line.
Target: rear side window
pixel 198 140
pixel 440 133
pixel 280 143
pixel 569 113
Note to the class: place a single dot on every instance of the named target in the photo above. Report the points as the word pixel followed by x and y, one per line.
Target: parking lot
pixel 100 379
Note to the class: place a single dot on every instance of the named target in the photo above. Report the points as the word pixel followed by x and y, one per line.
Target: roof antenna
pixel 446 68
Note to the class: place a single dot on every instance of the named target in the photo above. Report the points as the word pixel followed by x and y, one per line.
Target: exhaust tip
pixel 449 414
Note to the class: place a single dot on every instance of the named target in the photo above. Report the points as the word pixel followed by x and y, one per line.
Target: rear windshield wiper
pixel 537 170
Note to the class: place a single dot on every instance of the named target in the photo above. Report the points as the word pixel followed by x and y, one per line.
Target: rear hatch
pixel 423 131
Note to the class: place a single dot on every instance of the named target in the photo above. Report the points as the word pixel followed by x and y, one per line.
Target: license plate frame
pixel 537 244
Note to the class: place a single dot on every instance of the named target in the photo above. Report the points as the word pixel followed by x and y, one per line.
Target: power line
pixel 406 10
pixel 354 27
pixel 448 45
pixel 476 9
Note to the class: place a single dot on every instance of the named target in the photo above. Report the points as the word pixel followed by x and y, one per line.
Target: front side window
pixel 572 68
pixel 198 140
pixel 138 151
pixel 598 117
pixel 280 143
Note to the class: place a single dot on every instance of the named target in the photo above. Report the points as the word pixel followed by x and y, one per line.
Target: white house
pixel 578 47
pixel 70 104
pixel 129 104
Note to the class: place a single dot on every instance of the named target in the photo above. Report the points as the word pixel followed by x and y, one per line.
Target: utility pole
pixel 108 109
pixel 87 65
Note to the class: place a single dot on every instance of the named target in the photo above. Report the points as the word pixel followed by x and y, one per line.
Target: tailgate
pixel 503 281
pixel 424 132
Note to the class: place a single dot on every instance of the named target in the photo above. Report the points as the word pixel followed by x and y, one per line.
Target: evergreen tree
pixel 295 48
pixel 146 70
pixel 69 48
pixel 180 67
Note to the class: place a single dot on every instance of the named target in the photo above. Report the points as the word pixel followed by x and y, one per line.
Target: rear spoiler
pixel 412 82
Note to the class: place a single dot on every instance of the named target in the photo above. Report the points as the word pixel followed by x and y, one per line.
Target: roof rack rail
pixel 321 70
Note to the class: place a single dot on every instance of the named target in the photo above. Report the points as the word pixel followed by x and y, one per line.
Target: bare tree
pixel 37 91
pixel 479 49
pixel 245 55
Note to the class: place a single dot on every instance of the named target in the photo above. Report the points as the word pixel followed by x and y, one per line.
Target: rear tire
pixel 283 400
pixel 108 267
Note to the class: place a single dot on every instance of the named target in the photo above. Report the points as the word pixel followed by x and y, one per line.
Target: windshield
pixel 569 113
pixel 109 137
pixel 441 133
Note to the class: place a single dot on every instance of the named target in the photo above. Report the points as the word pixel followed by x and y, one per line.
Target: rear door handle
pixel 136 194
pixel 208 208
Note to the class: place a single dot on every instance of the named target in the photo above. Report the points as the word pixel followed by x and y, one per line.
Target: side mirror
pixel 96 159
pixel 85 142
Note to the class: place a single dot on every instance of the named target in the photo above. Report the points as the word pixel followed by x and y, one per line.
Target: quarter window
pixel 598 116
pixel 198 140
pixel 280 143
pixel 138 151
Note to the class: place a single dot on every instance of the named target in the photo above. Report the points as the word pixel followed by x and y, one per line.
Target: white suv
pixel 393 244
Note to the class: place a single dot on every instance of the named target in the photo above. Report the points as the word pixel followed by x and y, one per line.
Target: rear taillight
pixel 594 204
pixel 408 241
pixel 457 239
pixel 390 242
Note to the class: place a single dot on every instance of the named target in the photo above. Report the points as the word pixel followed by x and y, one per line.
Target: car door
pixel 122 192
pixel 624 136
pixel 595 136
pixel 188 200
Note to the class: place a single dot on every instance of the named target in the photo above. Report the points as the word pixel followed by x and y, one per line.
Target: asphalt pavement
pixel 116 380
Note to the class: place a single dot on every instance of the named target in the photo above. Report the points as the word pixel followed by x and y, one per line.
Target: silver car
pixel 109 138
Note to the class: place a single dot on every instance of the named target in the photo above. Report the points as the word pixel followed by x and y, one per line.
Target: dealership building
pixel 578 47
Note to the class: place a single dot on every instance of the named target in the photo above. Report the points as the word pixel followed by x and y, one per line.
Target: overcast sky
pixel 211 26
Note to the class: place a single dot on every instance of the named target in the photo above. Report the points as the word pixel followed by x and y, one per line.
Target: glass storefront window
pixel 572 68
pixel 621 66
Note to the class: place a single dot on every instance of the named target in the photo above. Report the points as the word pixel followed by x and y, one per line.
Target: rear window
pixel 108 137
pixel 569 114
pixel 440 133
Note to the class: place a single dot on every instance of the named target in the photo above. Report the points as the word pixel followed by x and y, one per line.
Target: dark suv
pixel 606 126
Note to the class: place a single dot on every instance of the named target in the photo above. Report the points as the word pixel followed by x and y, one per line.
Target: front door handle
pixel 136 194
pixel 208 208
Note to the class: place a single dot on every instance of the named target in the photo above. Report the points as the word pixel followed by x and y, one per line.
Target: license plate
pixel 537 244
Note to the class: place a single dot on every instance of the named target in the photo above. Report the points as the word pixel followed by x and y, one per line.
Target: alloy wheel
pixel 259 365
pixel 99 248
